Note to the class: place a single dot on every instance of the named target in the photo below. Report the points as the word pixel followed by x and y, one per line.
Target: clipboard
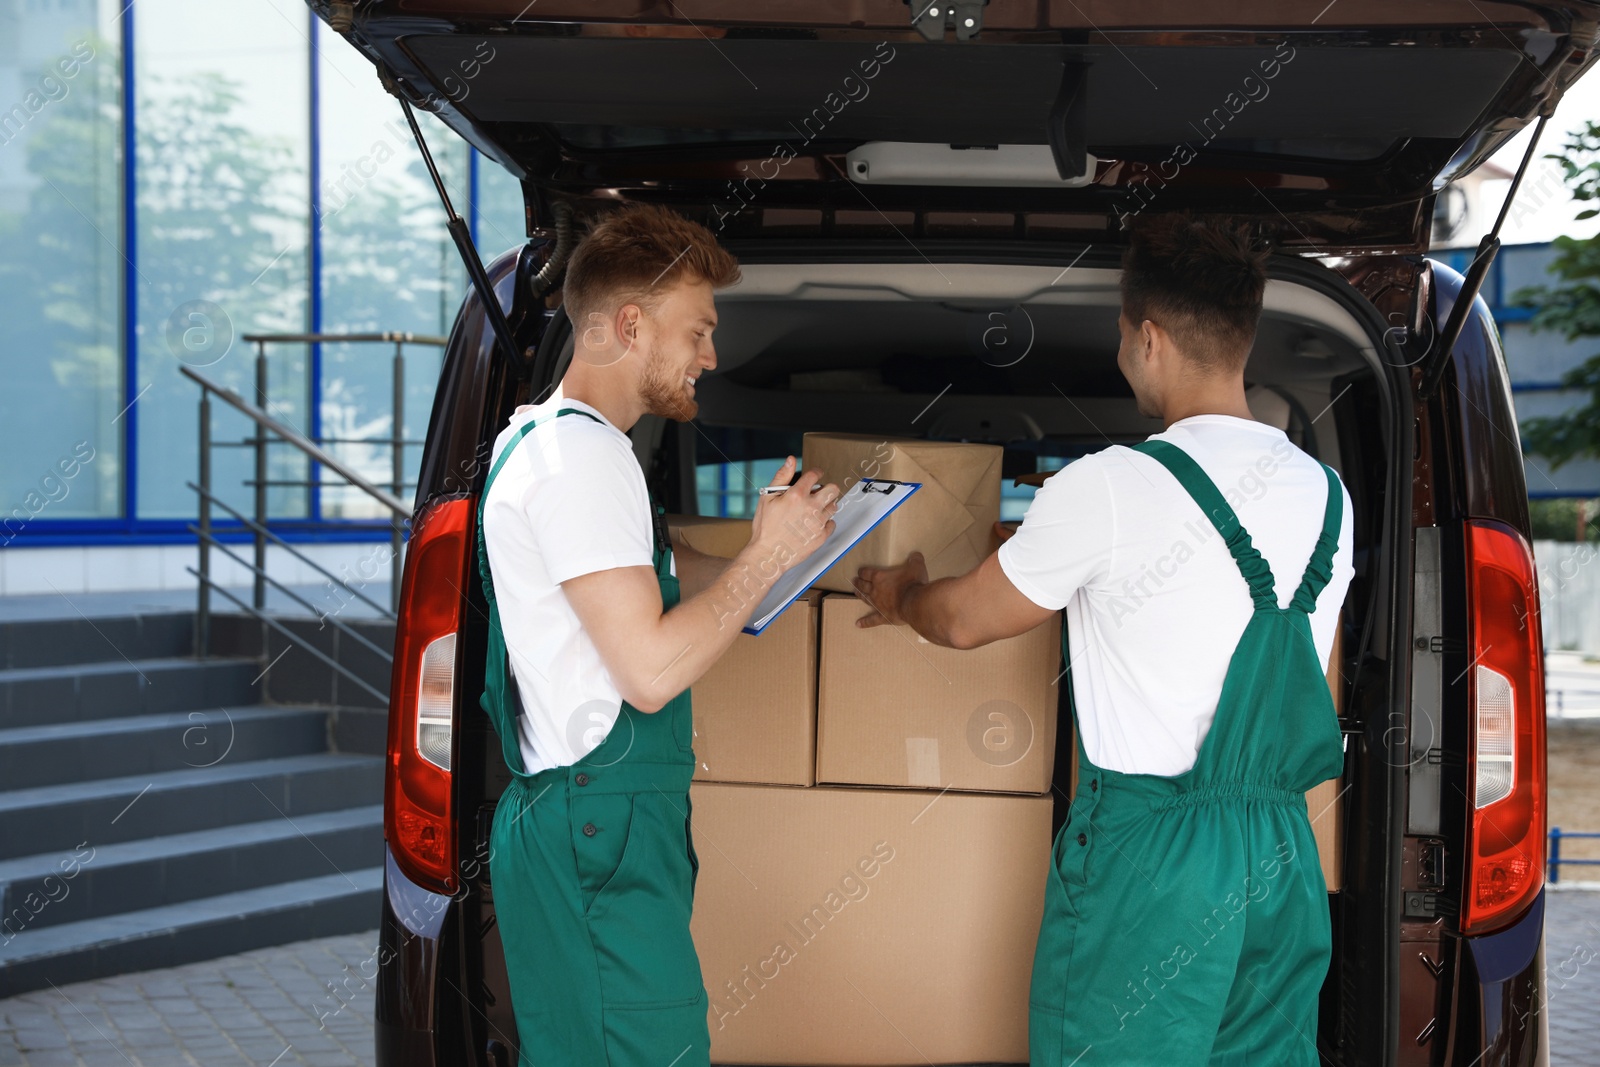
pixel 863 506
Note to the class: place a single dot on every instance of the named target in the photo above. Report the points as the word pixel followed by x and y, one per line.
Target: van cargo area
pixel 798 919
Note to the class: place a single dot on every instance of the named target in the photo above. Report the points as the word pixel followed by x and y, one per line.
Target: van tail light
pixel 1506 763
pixel 417 815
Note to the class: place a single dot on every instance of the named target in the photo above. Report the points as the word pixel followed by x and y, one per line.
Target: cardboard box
pixel 950 520
pixel 755 711
pixel 1325 804
pixel 709 534
pixel 896 710
pixel 877 927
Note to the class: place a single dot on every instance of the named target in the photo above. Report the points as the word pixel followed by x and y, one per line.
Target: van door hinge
pixel 1430 864
pixel 933 17
pixel 1438 644
pixel 1424 906
pixel 341 17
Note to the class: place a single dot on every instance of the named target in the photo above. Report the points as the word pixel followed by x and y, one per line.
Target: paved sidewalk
pixel 303 1005
pixel 1572 970
pixel 310 1005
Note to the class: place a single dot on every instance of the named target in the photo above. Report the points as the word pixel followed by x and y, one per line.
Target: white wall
pixel 114 568
pixel 1569 594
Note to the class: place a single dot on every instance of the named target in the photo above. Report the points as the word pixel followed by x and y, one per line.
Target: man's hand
pixel 654 655
pixel 885 590
pixel 974 609
pixel 791 525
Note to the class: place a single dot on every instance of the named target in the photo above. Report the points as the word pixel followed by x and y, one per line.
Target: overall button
pixel 581 779
pixel 1094 785
pixel 589 829
pixel 1083 839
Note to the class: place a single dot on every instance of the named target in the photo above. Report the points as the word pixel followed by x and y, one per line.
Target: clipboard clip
pixel 870 485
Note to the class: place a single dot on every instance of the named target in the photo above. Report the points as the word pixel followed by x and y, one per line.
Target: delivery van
pixel 929 203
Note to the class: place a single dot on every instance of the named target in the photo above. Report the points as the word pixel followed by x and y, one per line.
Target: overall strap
pixel 505 453
pixel 661 557
pixel 1257 573
pixel 1320 569
pixel 483 498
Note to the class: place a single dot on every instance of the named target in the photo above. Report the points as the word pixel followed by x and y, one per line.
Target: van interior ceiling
pixel 1018 355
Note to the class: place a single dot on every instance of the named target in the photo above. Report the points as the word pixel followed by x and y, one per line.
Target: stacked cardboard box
pixel 710 534
pixel 950 520
pixel 755 710
pixel 893 918
pixel 867 926
pixel 903 914
pixel 896 710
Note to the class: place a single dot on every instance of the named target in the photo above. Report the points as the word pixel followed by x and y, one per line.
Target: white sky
pixel 1544 207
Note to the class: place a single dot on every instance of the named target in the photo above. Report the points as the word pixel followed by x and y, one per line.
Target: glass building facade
pixel 175 175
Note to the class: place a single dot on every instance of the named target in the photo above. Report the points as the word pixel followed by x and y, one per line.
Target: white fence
pixel 1569 595
pixel 1569 601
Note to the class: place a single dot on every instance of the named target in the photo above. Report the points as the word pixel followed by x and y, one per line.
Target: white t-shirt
pixel 571 500
pixel 1155 603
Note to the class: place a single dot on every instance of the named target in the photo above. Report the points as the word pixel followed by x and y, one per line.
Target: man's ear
pixel 628 319
pixel 1152 336
pixel 1159 341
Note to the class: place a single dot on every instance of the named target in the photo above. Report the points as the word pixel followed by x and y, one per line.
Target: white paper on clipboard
pixel 861 508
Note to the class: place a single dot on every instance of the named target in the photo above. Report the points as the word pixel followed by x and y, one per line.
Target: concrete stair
pixel 155 811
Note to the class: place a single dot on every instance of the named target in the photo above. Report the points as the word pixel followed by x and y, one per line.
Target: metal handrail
pixel 249 442
pixel 1556 860
pixel 258 528
pixel 1560 694
pixel 271 431
pixel 387 337
pixel 294 638
pixel 302 601
pixel 300 483
pixel 296 438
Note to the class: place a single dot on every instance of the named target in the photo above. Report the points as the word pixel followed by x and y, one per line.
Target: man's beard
pixel 661 395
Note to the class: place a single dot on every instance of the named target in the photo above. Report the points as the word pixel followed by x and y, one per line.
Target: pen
pixel 770 490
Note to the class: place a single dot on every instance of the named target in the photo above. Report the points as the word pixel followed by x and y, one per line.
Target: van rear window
pixel 726 482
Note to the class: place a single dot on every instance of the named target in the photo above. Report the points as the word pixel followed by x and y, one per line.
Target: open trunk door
pixel 1332 128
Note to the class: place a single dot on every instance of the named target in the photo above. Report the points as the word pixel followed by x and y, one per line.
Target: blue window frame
pixel 138 511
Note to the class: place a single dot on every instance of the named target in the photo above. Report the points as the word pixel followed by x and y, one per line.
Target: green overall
pixel 593 870
pixel 1186 917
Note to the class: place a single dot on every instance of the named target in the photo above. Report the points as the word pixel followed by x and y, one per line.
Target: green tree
pixel 1564 519
pixel 1571 307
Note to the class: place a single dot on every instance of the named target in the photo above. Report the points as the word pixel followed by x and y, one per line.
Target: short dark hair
pixel 1199 279
pixel 635 253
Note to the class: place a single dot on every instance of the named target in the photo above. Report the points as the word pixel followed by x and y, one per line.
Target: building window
pixel 222 215
pixel 60 265
pixel 387 264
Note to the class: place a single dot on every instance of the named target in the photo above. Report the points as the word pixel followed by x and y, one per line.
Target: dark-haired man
pixel 1186 919
pixel 591 857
